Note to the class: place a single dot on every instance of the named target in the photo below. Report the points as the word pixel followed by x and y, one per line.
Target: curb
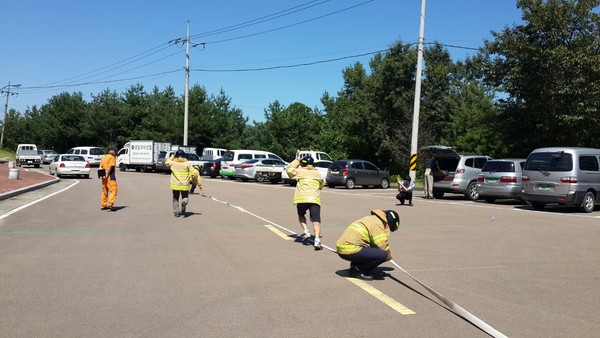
pixel 14 193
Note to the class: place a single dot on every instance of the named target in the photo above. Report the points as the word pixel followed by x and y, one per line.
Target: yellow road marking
pixel 382 297
pixel 278 232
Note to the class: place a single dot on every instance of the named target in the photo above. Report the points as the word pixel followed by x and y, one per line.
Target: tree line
pixel 532 85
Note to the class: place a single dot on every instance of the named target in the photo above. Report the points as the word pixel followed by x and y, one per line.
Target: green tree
pixel 549 68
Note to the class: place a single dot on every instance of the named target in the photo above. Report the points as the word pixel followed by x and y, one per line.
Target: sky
pixel 257 52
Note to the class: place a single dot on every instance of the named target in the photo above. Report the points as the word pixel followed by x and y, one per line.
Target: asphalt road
pixel 69 269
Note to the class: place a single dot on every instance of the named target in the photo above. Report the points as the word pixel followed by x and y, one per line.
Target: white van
pixel 316 155
pixel 92 155
pixel 232 157
pixel 562 175
pixel 210 154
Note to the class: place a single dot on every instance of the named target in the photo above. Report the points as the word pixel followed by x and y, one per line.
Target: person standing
pixel 364 243
pixel 307 196
pixel 108 165
pixel 182 173
pixel 405 191
pixel 429 178
pixel 195 180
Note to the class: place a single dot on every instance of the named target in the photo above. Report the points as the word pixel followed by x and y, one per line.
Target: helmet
pixel 307 160
pixel 393 219
pixel 180 153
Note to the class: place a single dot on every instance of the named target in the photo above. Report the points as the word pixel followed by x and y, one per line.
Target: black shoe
pixel 410 204
pixel 354 272
pixel 112 208
pixel 176 214
pixel 401 202
pixel 104 208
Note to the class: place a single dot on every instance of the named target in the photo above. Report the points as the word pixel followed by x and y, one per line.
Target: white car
pixel 322 167
pixel 69 164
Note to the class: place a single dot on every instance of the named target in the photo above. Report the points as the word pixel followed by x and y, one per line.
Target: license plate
pixel 493 180
pixel 544 187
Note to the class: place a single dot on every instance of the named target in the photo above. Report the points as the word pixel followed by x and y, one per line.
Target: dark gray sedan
pixel 350 173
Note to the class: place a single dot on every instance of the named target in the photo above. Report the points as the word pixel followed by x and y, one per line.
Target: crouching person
pixel 365 242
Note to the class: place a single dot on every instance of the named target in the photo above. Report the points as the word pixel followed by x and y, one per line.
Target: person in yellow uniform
pixel 182 173
pixel 109 180
pixel 365 242
pixel 307 196
pixel 195 179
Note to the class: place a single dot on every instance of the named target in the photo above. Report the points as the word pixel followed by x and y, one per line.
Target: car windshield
pixel 192 157
pixel 551 161
pixel 72 158
pixel 228 156
pixel 502 166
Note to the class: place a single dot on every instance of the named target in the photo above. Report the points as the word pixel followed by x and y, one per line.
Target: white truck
pixel 27 154
pixel 141 155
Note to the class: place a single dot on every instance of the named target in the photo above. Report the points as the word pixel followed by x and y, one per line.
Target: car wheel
pixel 490 199
pixel 122 167
pixel 538 205
pixel 331 186
pixel 244 180
pixel 472 193
pixel 213 176
pixel 274 181
pixel 350 183
pixel 588 202
pixel 86 176
pixel 385 183
pixel 438 194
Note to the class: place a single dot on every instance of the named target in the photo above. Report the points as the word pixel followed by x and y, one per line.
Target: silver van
pixel 566 176
pixel 457 173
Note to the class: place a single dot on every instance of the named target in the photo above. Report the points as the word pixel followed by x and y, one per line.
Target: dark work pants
pixel 366 259
pixel 404 195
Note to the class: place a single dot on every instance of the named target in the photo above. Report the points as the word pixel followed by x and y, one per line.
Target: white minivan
pixel 93 155
pixel 562 175
pixel 232 157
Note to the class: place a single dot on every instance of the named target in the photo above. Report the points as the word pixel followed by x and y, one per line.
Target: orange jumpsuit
pixel 109 182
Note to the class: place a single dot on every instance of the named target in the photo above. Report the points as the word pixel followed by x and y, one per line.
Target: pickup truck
pixel 27 154
pixel 270 170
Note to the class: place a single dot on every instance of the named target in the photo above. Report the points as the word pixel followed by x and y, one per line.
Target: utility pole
pixel 8 93
pixel 187 86
pixel 417 103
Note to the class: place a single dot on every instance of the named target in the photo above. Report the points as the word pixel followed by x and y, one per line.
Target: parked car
pixel 322 167
pixel 247 170
pixel 211 168
pixel 457 173
pixel 501 179
pixel 562 175
pixel 233 157
pixel 350 173
pixel 69 164
pixel 193 158
pixel 47 155
pixel 92 155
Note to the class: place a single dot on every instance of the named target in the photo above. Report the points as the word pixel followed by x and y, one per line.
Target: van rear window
pixel 555 161
pixel 499 166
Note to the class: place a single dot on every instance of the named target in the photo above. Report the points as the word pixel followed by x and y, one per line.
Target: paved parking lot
pixel 230 268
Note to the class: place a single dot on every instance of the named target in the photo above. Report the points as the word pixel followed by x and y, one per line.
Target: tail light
pixel 459 171
pixel 246 166
pixel 345 172
pixel 525 178
pixel 508 179
pixel 569 179
pixel 480 179
pixel 62 165
pixel 213 166
pixel 87 165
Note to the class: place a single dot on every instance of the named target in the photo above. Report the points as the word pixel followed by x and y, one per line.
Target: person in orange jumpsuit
pixel 109 180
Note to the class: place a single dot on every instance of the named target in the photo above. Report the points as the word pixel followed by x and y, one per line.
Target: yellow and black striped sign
pixel 413 162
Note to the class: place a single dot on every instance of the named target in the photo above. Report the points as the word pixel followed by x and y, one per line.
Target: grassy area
pixel 6 153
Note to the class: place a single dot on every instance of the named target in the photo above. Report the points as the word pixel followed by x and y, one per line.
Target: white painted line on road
pixel 36 201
